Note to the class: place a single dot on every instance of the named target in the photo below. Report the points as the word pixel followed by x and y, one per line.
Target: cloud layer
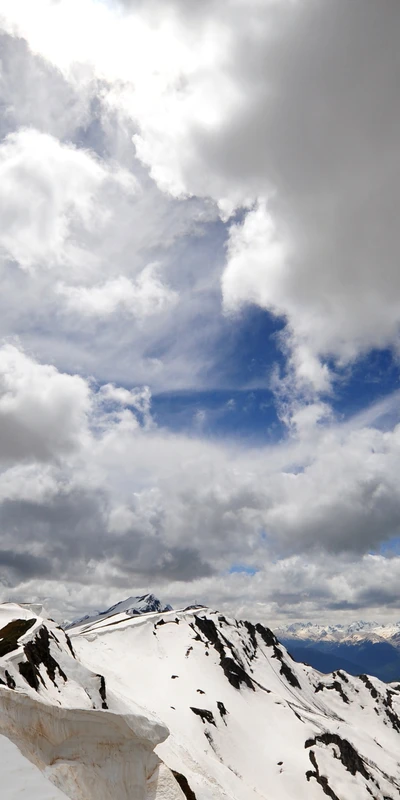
pixel 89 485
pixel 164 166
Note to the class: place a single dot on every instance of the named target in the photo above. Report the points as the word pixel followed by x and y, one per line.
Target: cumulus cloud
pixel 32 483
pixel 82 223
pixel 46 190
pixel 93 491
pixel 307 122
pixel 147 296
pixel 36 95
pixel 335 589
pixel 43 412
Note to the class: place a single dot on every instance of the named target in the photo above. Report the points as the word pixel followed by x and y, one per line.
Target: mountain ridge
pixel 141 604
pixel 189 704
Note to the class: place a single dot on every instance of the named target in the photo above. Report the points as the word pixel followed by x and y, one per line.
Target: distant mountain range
pixel 358 647
pixel 352 632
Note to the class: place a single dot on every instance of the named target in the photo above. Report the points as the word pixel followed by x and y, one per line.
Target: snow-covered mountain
pixel 144 604
pixel 65 723
pixel 358 647
pixel 354 632
pixel 88 717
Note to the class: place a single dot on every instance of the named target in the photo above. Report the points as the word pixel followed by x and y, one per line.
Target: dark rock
pixel 102 691
pixel 11 633
pixel 183 783
pixel 204 714
pixel 233 669
pixel 365 679
pixel 348 755
pixel 322 780
pixel 270 640
pixel 30 674
pixel 10 680
pixel 267 636
pixel 69 644
pixel 37 652
pixel 336 685
pixel 222 710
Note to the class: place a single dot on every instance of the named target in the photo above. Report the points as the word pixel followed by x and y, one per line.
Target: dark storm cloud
pixel 23 566
pixel 71 536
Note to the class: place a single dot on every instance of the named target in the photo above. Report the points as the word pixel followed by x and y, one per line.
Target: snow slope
pixel 22 780
pixel 246 721
pixel 184 704
pixel 62 719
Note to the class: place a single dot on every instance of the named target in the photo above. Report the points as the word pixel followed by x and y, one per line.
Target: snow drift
pixel 56 711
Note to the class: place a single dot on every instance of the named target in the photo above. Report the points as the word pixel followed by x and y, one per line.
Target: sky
pixel 200 305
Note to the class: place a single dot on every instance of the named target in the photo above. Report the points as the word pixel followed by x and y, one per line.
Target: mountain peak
pixel 132 606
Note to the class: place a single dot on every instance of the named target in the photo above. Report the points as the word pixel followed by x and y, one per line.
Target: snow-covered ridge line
pixel 123 620
pixel 245 721
pixel 62 718
pixel 132 606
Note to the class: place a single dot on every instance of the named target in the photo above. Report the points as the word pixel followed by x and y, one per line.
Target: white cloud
pixel 306 420
pixel 136 504
pixel 29 483
pixel 42 411
pixel 297 588
pixel 292 123
pixel 34 94
pixel 145 297
pixel 171 78
pixel 81 213
pixel 257 262
pixel 139 399
pixel 334 590
pixel 47 190
pixel 258 106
